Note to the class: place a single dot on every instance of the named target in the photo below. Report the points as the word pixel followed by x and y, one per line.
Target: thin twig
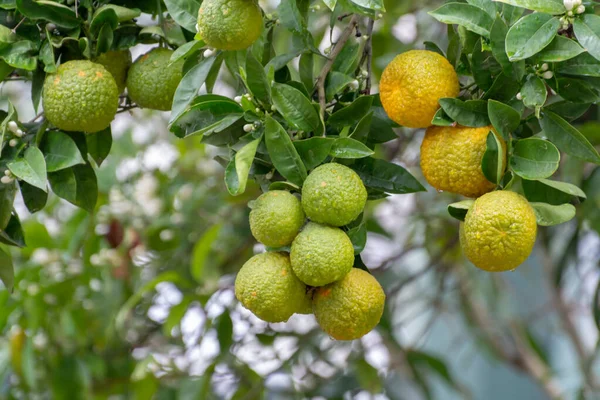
pixel 127 108
pixel 14 30
pixel 37 117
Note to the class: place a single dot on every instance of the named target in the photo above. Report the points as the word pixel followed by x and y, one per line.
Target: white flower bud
pixel 581 9
pixel 519 96
pixel 570 13
pixel 8 173
pixel 545 67
pixel 577 2
pixel 197 27
pixel 6 180
pixel 19 133
pixel 13 142
pixel 12 125
pixel 548 75
pixel 569 4
pixel 274 108
pixel 248 128
pixel 257 110
pixel 238 99
pixel 379 16
pixel 209 53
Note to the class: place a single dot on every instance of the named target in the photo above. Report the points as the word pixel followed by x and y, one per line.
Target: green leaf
pixel 358 236
pixel 257 80
pixel 236 174
pixel 283 154
pixel 492 163
pixel 551 192
pixel 368 377
pixel 347 59
pixel 375 5
pixel 471 17
pixel 20 55
pixel 352 114
pixel 99 145
pixel 421 360
pixel 555 7
pixel 576 90
pixel 31 168
pixel 567 138
pixel 560 49
pixel 104 17
pixel 207 115
pixel 534 92
pixel 12 234
pixel 123 13
pixel 54 12
pixel 185 51
pixel 7 272
pixel 77 185
pixel 336 83
pixel 504 118
pixel 459 210
pixel 349 148
pixel 442 119
pixel 583 65
pixel 60 151
pixel 484 66
pixel 587 31
pixel 549 215
pixel 291 18
pixel 189 87
pixel 224 327
pixel 295 108
pixel 386 176
pixel 184 12
pixel 314 151
pixel 35 199
pixel 202 250
pixel 306 69
pixel 7 199
pixel 486 5
pixel 530 35
pixel 498 43
pixel 472 113
pixel 504 88
pixel 534 158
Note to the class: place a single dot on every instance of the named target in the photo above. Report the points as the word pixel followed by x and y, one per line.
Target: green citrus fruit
pixel 499 231
pixel 80 96
pixel 413 83
pixel 276 218
pixel 321 254
pixel 117 63
pixel 230 24
pixel 350 308
pixel 306 307
pixel 267 286
pixel 451 159
pixel 333 194
pixel 152 82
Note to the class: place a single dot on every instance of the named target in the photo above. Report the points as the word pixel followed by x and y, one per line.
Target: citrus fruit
pixel 350 308
pixel 333 194
pixel 321 254
pixel 306 306
pixel 451 159
pixel 413 83
pixel 151 81
pixel 117 63
pixel 499 231
pixel 267 286
pixel 230 24
pixel 276 218
pixel 80 96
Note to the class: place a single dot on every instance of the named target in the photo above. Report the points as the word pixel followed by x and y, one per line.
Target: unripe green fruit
pixel 276 218
pixel 117 63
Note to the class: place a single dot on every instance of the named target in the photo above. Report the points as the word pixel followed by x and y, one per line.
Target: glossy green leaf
pixel 583 65
pixel 560 49
pixel 587 31
pixel 184 12
pixel 201 252
pixel 257 81
pixel 386 176
pixel 185 51
pixel 352 114
pixel 576 90
pixel 284 155
pixel 471 113
pixel 77 185
pixel 207 115
pixel 31 168
pixel 60 151
pixel 534 158
pixel 54 12
pixel 306 70
pixel 336 83
pixel 442 119
pixel 568 110
pixel 492 163
pixel 534 92
pixel 295 108
pixel 99 145
pixel 7 272
pixel 349 148
pixel 530 35
pixel 551 192
pixel 567 138
pixel 358 236
pixel 459 210
pixel 12 234
pixel 189 87
pixel 35 199
pixel 20 55
pixel 236 174
pixel 549 215
pixel 471 17
pixel 545 6
pixel 7 199
pixel 314 151
pixel 504 118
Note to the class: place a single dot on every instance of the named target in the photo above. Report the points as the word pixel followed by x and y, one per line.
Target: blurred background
pixel 136 300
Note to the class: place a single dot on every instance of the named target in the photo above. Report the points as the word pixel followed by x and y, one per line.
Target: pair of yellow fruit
pixel 500 229
pixel 318 275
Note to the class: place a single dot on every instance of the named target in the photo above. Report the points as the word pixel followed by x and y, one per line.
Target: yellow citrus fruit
pixel 276 218
pixel 413 83
pixel 230 24
pixel 499 231
pixel 267 286
pixel 350 308
pixel 321 254
pixel 117 63
pixel 80 96
pixel 333 194
pixel 152 82
pixel 451 159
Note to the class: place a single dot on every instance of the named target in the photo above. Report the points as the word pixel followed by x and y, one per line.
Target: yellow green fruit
pixel 117 63
pixel 451 159
pixel 230 24
pixel 350 308
pixel 413 83
pixel 80 96
pixel 321 254
pixel 499 231
pixel 276 218
pixel 306 307
pixel 333 194
pixel 267 286
pixel 152 82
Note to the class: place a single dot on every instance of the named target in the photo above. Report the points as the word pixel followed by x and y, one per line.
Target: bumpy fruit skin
pixel 499 231
pixel 276 218
pixel 413 83
pixel 333 194
pixel 267 286
pixel 451 159
pixel 117 63
pixel 321 254
pixel 230 24
pixel 80 96
pixel 350 308
pixel 152 82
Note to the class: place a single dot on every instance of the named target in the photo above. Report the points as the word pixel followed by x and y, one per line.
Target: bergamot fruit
pixel 413 83
pixel 321 254
pixel 230 24
pixel 451 159
pixel 117 63
pixel 267 286
pixel 276 218
pixel 333 194
pixel 499 231
pixel 152 82
pixel 350 308
pixel 80 96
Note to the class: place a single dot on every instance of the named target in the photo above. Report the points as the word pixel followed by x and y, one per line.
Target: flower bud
pixel 581 9
pixel 569 4
pixel 13 142
pixel 248 128
pixel 209 53
pixel 354 85
pixel 519 96
pixel 545 67
pixel 238 99
pixel 12 125
pixel 548 75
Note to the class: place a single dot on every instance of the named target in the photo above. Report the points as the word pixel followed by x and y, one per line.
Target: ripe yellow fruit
pixel 333 194
pixel 276 218
pixel 499 231
pixel 413 83
pixel 321 254
pixel 350 308
pixel 117 63
pixel 80 96
pixel 267 286
pixel 230 24
pixel 152 82
pixel 451 159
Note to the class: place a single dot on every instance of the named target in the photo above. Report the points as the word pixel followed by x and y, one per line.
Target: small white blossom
pixel 238 99
pixel 12 125
pixel 569 4
pixel 545 67
pixel 166 235
pixel 581 9
pixel 519 96
pixel 354 85
pixel 13 142
pixel 248 128
pixel 33 289
pixel 548 75
pixel 40 341
pixel 209 53
pixel 6 180
pixel 19 133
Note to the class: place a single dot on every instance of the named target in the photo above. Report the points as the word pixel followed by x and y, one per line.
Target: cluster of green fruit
pixel 83 95
pixel 317 276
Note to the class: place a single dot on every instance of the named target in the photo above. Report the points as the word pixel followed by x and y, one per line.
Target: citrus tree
pixel 500 96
